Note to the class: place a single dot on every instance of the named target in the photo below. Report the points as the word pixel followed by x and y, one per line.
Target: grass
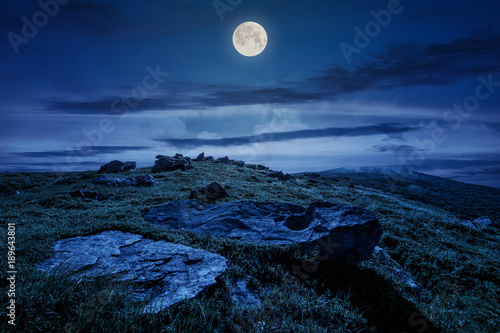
pixel 457 269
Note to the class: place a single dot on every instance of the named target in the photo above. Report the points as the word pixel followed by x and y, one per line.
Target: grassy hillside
pixel 457 269
pixel 467 201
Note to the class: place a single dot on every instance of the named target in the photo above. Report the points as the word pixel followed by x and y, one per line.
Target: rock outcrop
pixel 338 234
pixel 172 163
pixel 160 273
pixel 200 158
pixel 223 160
pixel 117 167
pixel 147 180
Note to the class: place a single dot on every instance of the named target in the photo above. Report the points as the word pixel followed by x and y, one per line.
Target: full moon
pixel 250 39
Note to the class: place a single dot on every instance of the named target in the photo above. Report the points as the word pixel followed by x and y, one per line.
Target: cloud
pixel 412 64
pixel 205 135
pixel 293 135
pixel 393 148
pixel 437 164
pixel 493 171
pixel 92 151
pixel 204 98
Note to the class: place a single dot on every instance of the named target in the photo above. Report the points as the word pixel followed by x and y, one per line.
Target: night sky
pixel 411 84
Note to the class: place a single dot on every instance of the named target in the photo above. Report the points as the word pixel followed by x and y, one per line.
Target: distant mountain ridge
pixel 451 195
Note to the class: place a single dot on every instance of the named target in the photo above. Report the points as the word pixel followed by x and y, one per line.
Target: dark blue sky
pixel 414 84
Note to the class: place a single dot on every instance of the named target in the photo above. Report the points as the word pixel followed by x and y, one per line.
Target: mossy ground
pixel 457 269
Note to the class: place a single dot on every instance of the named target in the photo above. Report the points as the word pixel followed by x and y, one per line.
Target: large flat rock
pixel 335 233
pixel 161 273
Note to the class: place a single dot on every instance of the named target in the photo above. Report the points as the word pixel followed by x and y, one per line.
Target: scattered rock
pixel 169 163
pixel 210 159
pixel 244 296
pixel 240 164
pixel 262 167
pixel 316 181
pixel 340 234
pixel 406 280
pixel 117 167
pixel 254 179
pixel 209 193
pixel 313 175
pixel 84 194
pixel 129 166
pixel 223 160
pixel 378 250
pixel 160 273
pixel 469 224
pixel 251 166
pixel 484 222
pixel 280 175
pixel 398 273
pixel 200 158
pixel 112 167
pixel 147 180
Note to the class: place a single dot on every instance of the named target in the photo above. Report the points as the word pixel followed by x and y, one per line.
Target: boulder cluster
pixel 179 162
pixel 172 163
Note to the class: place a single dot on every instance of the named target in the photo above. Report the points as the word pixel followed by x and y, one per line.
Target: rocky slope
pixel 430 271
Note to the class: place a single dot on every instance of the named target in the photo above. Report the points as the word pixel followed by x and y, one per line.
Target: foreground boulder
pixel 172 163
pixel 160 273
pixel 338 234
pixel 209 193
pixel 147 180
pixel 117 166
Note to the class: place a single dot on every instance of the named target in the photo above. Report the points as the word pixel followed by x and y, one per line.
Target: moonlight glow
pixel 250 39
